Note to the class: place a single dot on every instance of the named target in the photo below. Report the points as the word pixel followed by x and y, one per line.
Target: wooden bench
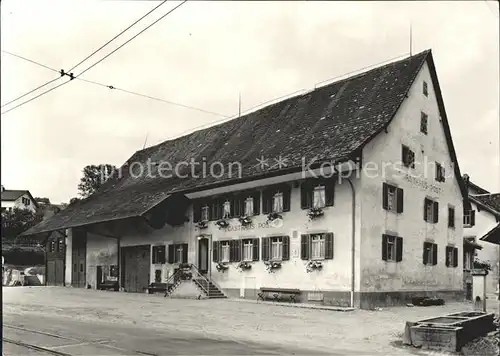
pixel 157 287
pixel 278 294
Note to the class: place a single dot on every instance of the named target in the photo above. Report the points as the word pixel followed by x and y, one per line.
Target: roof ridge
pixel 300 94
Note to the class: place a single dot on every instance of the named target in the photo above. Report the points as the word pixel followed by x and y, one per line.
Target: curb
pixel 297 305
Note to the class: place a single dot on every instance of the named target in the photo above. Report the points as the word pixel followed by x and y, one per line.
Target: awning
pixel 492 236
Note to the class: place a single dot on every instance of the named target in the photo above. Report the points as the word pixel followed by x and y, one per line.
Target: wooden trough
pixel 449 332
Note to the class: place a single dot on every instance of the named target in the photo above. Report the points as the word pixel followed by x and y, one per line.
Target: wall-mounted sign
pixel 252 226
pixel 422 184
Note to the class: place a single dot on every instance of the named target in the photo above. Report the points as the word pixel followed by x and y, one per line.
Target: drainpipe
pixel 353 242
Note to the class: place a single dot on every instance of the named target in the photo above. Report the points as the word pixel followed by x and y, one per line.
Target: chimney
pixel 466 179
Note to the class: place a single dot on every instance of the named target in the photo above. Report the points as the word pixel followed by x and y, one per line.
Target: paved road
pixel 35 335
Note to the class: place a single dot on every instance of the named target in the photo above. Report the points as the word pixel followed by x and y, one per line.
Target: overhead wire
pixel 88 68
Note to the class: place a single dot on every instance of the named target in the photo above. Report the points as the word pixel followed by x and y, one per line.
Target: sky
pixel 204 55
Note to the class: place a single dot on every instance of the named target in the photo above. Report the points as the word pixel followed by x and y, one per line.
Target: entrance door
pixel 55 257
pixel 79 244
pixel 203 255
pixel 136 266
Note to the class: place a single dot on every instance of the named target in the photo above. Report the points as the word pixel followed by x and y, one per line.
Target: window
pixel 431 211
pixel 178 253
pixel 276 248
pixel 158 254
pixel 468 258
pixel 392 198
pixel 430 254
pixel 319 196
pixel 317 246
pixel 225 251
pixel 52 246
pixel 204 213
pixel 424 88
pixel 451 256
pixel 248 250
pixel 469 218
pixel 451 217
pixel 317 193
pixel 60 245
pixel 249 210
pixel 408 157
pixel 440 176
pixel 226 208
pixel 423 122
pixel 276 199
pixel 392 248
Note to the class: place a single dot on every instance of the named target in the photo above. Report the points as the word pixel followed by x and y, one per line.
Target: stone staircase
pixel 208 288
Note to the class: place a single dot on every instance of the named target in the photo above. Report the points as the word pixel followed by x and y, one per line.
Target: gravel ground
pixel 367 332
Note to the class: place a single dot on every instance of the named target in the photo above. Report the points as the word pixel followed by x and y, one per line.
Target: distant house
pixel 21 199
pixel 483 217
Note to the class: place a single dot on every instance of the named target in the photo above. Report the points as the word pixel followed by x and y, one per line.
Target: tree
pixel 16 221
pixel 93 177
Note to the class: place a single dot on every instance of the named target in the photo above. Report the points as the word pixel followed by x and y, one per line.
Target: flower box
pixel 245 220
pixel 313 266
pixel 222 224
pixel 243 266
pixel 273 216
pixel 315 213
pixel 221 267
pixel 272 265
pixel 202 224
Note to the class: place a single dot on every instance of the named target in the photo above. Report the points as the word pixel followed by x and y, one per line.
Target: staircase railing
pixel 206 279
pixel 172 280
pixel 201 276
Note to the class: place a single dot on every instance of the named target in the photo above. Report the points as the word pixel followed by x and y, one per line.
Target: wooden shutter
pixel 171 253
pixel 384 247
pixel 287 192
pixel 329 192
pixel 265 249
pixel 305 195
pixel 255 245
pixel 215 251
pixel 304 247
pixel 231 206
pixel 425 258
pixel 155 253
pixel 399 249
pixel 184 253
pixel 231 250
pixel 385 197
pixel 455 257
pixel 237 247
pixel 286 248
pixel 434 254
pixel 399 200
pixel 448 249
pixel 266 201
pixel 435 211
pixel 472 217
pixel 196 211
pixel 329 246
pixel 256 203
pixel 239 205
pixel 426 202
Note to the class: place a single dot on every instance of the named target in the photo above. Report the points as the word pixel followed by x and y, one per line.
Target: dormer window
pixel 319 196
pixel 278 202
pixel 423 122
pixel 425 90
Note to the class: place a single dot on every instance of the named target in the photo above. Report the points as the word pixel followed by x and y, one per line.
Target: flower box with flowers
pixel 315 213
pixel 202 224
pixel 273 216
pixel 243 266
pixel 221 267
pixel 272 265
pixel 222 223
pixel 245 220
pixel 313 266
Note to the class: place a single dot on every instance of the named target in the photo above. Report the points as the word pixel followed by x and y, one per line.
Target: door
pixel 55 257
pixel 136 266
pixel 203 255
pixel 79 252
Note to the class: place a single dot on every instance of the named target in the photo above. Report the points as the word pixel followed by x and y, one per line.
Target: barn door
pixel 78 275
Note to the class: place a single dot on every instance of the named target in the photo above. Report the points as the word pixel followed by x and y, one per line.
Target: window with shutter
pixel 392 198
pixel 158 255
pixel 427 255
pixel 285 254
pixel 423 122
pixel 255 245
pixel 431 211
pixel 306 195
pixel 286 197
pixel 276 243
pixel 171 253
pixel 265 249
pixel 256 203
pixel 215 251
pixel 449 256
pixel 267 201
pixel 317 245
pixel 248 250
pixel 237 250
pixel 304 247
pixel 435 212
pixel 408 157
pixel 329 246
pixel 451 217
pixel 384 247
pixel 225 251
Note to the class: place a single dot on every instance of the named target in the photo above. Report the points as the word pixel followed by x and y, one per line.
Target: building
pixel 21 199
pixel 483 217
pixel 380 225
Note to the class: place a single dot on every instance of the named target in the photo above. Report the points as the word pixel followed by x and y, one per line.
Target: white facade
pixel 22 202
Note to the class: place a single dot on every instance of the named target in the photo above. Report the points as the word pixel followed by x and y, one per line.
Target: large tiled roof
pixel 12 195
pixel 490 202
pixel 331 123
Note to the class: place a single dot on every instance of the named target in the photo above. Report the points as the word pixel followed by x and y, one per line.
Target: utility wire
pixel 88 68
pixel 122 90
pixel 86 58
pixel 118 35
pixel 109 54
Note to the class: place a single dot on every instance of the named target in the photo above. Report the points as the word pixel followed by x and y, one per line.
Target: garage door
pixel 55 257
pixel 136 268
pixel 78 259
